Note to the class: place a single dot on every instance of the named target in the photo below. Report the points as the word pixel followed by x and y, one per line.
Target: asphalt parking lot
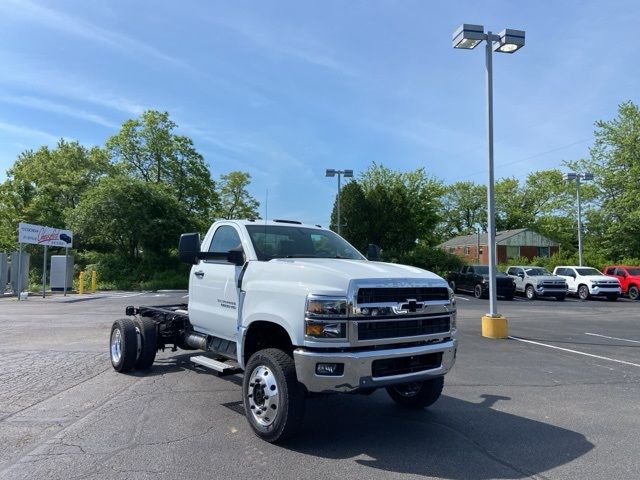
pixel 561 400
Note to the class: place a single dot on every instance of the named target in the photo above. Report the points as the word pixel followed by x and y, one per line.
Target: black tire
pixel 530 292
pixel 561 298
pixel 417 395
pixel 612 297
pixel 477 291
pixel 289 400
pixel 583 292
pixel 452 285
pixel 123 345
pixel 149 342
pixel 634 292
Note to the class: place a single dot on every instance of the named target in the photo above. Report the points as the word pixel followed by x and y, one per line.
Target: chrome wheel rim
pixel 529 293
pixel 633 293
pixel 478 291
pixel 116 345
pixel 263 395
pixel 582 293
pixel 408 389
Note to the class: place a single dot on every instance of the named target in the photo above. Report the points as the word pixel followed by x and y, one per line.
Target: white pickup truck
pixel 300 311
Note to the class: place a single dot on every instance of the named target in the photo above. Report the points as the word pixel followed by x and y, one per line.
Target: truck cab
pixel 300 311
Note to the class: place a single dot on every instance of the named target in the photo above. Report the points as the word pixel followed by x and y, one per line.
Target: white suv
pixel 587 281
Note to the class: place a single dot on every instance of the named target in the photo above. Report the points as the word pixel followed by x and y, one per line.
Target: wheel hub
pixel 116 345
pixel 263 395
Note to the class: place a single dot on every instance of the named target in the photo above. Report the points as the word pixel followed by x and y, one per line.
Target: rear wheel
pixel 583 292
pixel 417 394
pixel 612 297
pixel 634 293
pixel 149 343
pixel 273 398
pixel 123 345
pixel 530 292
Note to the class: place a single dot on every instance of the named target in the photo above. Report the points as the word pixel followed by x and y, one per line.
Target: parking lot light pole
pixel 332 173
pixel 577 177
pixel 468 37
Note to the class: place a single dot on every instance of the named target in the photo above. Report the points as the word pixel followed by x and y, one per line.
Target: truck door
pixel 467 279
pixel 213 292
pixel 569 274
pixel 517 274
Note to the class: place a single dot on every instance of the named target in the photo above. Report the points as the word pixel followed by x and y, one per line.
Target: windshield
pixel 633 271
pixel 536 272
pixel 481 270
pixel 587 271
pixel 275 241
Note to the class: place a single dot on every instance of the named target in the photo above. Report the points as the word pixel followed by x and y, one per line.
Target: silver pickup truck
pixel 538 282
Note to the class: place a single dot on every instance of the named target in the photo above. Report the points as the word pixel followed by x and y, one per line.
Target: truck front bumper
pixel 360 372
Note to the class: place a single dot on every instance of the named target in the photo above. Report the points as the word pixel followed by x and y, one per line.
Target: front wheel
pixel 273 398
pixel 634 293
pixel 477 291
pixel 583 292
pixel 417 394
pixel 530 292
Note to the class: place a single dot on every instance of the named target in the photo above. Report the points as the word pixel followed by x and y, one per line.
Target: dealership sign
pixel 39 235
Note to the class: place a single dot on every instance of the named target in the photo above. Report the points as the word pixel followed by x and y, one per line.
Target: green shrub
pixel 433 259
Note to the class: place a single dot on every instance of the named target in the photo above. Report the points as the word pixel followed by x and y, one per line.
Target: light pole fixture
pixel 332 173
pixel 468 36
pixel 570 177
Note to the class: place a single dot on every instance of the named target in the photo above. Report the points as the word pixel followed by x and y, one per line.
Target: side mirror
pixel 236 257
pixel 189 247
pixel 521 275
pixel 373 252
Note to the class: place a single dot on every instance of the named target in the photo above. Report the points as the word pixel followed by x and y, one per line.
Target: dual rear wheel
pixel 133 344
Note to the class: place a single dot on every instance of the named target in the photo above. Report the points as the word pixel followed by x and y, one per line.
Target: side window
pixel 511 271
pixel 620 272
pixel 571 272
pixel 561 271
pixel 224 239
pixel 464 269
pixel 612 271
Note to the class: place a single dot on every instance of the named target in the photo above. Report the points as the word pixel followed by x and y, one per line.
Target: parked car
pixel 538 282
pixel 629 278
pixel 475 279
pixel 588 281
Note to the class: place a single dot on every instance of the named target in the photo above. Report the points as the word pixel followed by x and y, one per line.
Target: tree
pixel 128 216
pixel 43 184
pixel 615 162
pixel 235 201
pixel 464 209
pixel 354 215
pixel 148 149
pixel 399 208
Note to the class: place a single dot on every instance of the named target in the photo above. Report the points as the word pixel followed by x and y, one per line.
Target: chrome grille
pixel 397 295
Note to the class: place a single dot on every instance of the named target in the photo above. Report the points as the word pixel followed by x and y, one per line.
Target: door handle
pixel 199 273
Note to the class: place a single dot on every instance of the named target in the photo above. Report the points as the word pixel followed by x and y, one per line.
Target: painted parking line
pixel 577 352
pixel 611 338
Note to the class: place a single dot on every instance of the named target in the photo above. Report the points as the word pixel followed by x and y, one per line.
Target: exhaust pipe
pixel 193 341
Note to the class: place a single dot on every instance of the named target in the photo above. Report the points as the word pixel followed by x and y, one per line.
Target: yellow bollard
pixel 495 327
pixel 94 281
pixel 81 283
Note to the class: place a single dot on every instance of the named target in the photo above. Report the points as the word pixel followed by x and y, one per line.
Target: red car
pixel 629 278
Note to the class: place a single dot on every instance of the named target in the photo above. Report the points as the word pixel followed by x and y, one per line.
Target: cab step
pixel 216 365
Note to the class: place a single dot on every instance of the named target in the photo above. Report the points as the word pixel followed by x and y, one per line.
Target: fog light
pixel 330 369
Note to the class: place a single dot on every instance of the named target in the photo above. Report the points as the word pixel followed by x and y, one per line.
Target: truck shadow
pixel 455 439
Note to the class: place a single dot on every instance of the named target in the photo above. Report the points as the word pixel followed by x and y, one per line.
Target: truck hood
pixel 338 273
pixel 548 278
pixel 599 278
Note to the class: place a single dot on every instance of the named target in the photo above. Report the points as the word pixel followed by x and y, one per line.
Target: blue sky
pixel 285 89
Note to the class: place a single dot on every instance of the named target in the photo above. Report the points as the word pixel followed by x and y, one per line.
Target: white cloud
pixel 23 132
pixel 71 25
pixel 49 106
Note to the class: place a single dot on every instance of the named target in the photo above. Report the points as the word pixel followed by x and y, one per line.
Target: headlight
pixel 323 315
pixel 326 307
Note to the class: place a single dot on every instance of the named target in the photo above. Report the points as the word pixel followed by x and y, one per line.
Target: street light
pixel 467 37
pixel 332 173
pixel 571 176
